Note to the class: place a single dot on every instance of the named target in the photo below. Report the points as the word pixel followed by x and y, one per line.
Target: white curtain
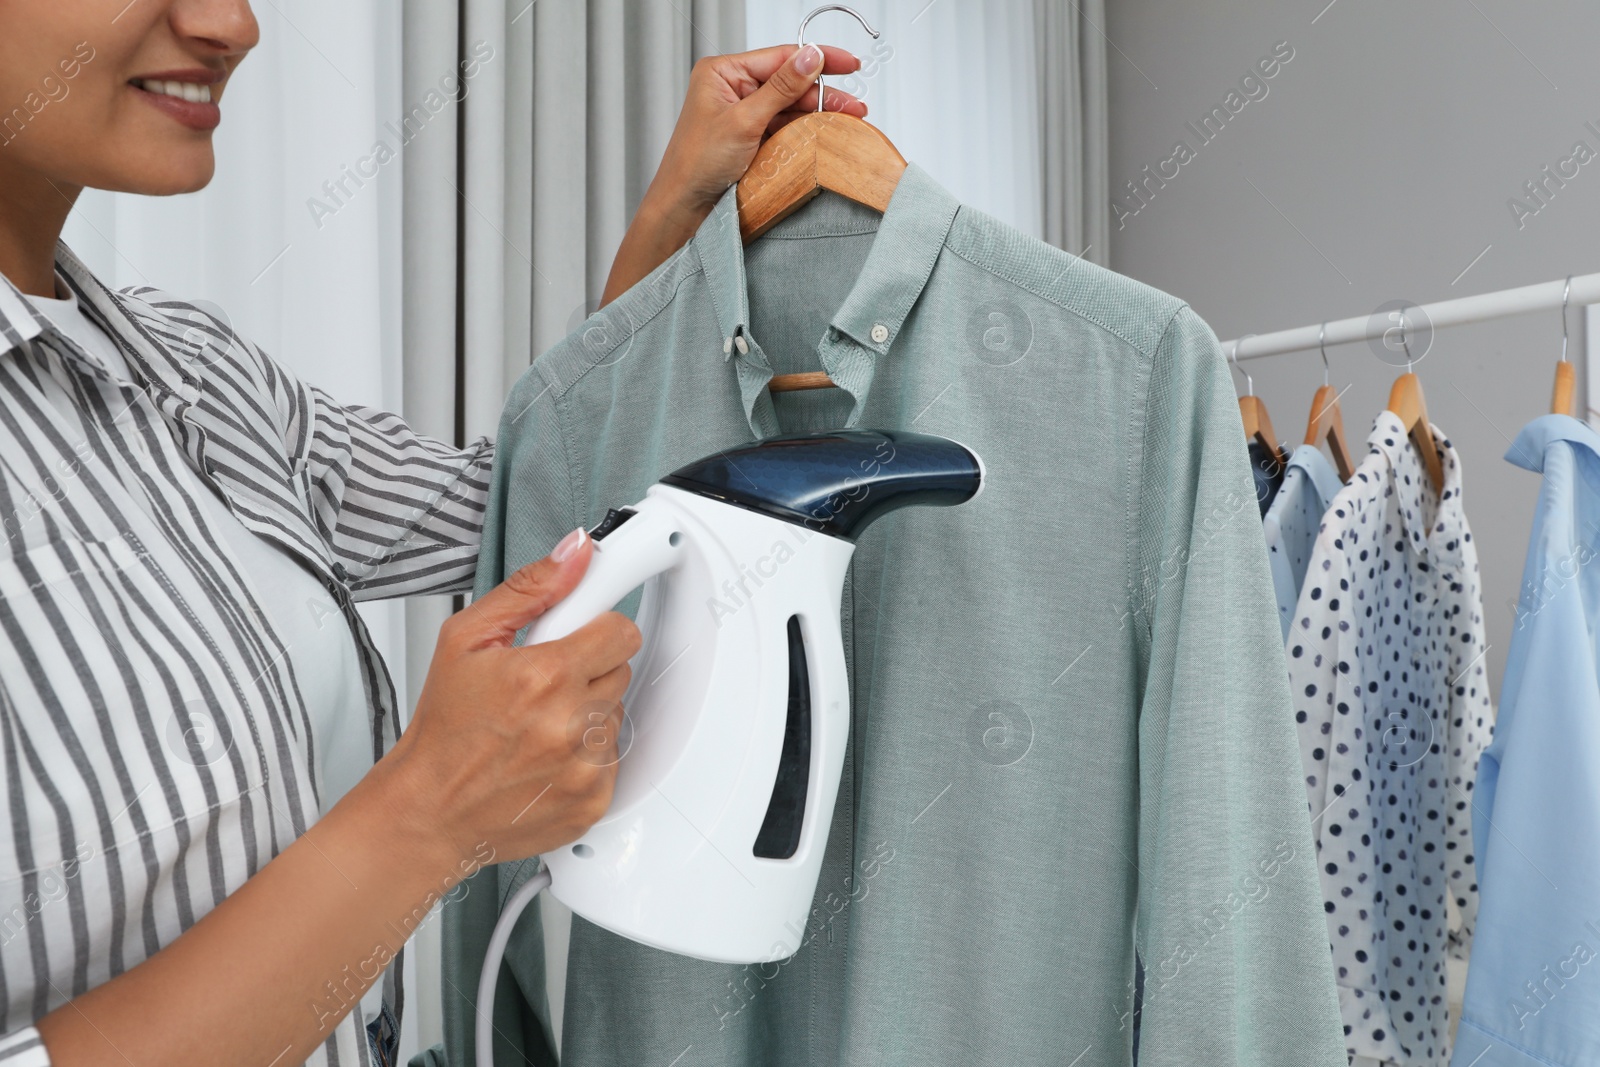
pixel 1070 49
pixel 1002 103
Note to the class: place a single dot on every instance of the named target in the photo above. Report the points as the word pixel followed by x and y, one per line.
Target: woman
pixel 187 529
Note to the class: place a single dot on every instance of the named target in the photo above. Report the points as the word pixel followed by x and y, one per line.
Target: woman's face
pixel 117 94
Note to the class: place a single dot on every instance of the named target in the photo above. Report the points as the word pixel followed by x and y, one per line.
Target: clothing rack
pixel 1544 296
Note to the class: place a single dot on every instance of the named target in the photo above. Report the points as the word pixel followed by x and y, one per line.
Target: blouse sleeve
pixel 23 1048
pixel 402 513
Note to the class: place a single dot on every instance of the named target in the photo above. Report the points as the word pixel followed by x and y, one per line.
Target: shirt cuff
pixel 23 1048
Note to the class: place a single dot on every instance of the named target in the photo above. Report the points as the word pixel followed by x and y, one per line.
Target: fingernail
pixel 808 59
pixel 569 544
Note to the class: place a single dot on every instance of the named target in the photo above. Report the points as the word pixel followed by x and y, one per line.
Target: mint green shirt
pixel 1072 731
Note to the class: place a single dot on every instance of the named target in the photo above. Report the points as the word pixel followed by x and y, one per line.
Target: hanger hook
pixel 1566 292
pixel 1322 337
pixel 1403 342
pixel 801 37
pixel 1249 382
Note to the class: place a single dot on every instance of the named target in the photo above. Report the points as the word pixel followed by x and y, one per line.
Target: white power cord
pixel 484 1028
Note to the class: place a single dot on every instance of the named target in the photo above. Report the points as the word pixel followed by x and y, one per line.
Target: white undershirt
pixel 70 320
pixel 320 646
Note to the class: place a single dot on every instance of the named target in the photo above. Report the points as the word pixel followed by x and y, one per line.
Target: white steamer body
pixel 672 864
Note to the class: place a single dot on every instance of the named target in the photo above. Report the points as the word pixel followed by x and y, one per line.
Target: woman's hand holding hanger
pixel 734 103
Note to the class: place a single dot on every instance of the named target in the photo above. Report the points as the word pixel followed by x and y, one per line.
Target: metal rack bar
pixel 1544 296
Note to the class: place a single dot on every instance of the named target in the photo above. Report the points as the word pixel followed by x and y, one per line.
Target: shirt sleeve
pixel 400 512
pixel 1532 997
pixel 535 481
pixel 1230 925
pixel 23 1048
pixel 1471 722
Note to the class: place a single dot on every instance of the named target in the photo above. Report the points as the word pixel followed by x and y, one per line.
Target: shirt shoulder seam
pixel 1037 291
pixel 661 284
pixel 985 263
pixel 1134 480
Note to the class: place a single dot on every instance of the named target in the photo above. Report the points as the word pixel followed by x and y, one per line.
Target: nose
pixel 227 27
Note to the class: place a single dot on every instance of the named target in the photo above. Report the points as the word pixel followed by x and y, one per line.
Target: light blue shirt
pixel 1291 524
pixel 1533 987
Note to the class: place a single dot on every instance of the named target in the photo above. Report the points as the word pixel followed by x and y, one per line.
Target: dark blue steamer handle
pixel 838 481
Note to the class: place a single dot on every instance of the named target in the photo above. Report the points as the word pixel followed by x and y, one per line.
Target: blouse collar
pixel 1433 523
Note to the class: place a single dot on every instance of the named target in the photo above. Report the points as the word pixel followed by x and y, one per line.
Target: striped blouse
pixel 156 750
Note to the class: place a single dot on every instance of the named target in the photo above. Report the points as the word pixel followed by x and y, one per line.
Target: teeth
pixel 195 94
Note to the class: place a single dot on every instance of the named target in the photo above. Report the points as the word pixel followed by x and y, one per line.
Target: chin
pixel 171 177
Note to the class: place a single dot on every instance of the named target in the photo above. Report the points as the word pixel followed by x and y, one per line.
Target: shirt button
pixel 880 333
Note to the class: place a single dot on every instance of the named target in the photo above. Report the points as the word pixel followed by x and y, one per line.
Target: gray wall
pixel 1377 165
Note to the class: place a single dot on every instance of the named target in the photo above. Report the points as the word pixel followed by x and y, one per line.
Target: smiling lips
pixel 195 94
pixel 184 95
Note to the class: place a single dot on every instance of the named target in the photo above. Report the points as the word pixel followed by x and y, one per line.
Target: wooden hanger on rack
pixel 825 150
pixel 1566 379
pixel 1253 413
pixel 1407 403
pixel 1327 422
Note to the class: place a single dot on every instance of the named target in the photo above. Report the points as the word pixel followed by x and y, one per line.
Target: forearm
pixel 266 975
pixel 659 229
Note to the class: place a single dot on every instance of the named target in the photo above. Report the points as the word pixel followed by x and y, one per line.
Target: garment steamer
pixel 739 707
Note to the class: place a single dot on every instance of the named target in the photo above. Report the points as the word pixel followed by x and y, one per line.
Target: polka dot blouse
pixel 1386 660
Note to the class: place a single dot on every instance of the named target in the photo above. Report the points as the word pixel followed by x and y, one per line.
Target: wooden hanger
pixel 1406 403
pixel 1253 413
pixel 1258 424
pixel 1327 422
pixel 1566 379
pixel 1566 387
pixel 825 150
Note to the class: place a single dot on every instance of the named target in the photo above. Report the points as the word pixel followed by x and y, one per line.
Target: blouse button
pixel 880 333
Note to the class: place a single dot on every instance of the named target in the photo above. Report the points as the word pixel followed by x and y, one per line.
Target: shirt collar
pixel 172 370
pixel 910 236
pixel 174 381
pixel 1433 524
pixel 20 321
pixel 1528 450
pixel 1324 479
